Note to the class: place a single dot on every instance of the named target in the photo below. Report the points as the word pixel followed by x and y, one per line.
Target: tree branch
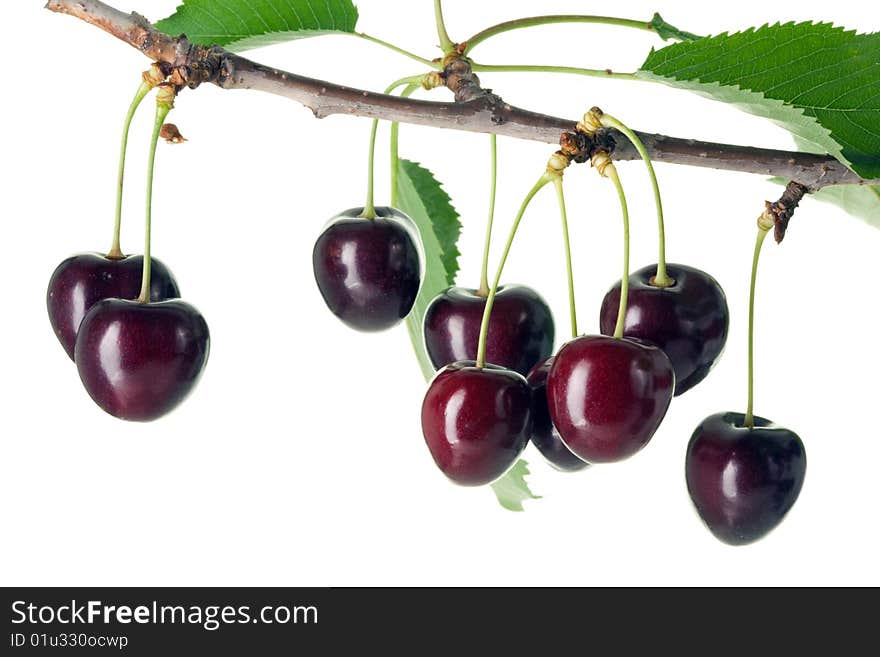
pixel 191 65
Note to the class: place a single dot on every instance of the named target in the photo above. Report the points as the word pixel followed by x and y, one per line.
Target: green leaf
pixel 820 82
pixel 666 31
pixel 423 199
pixel 242 24
pixel 512 489
pixel 862 201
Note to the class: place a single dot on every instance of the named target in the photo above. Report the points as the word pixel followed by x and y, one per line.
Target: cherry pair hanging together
pixel 138 348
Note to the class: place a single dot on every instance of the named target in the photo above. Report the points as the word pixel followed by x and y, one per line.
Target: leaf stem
pixel 446 44
pixel 661 278
pixel 162 109
pixel 115 249
pixel 560 195
pixel 749 420
pixel 493 180
pixel 611 172
pixel 393 143
pixel 490 300
pixel 369 206
pixel 571 70
pixel 533 21
pixel 397 49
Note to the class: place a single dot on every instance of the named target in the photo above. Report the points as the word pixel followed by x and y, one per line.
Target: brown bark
pixel 192 65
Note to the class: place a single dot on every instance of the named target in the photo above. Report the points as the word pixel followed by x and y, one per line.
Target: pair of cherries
pixel 599 399
pixel 138 361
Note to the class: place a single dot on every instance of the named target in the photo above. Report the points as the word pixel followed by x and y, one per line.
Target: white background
pixel 299 459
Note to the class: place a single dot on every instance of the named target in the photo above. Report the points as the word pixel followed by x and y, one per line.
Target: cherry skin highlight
pixel 607 396
pixel 544 435
pixel 369 270
pixel 688 320
pixel 139 361
pixel 83 280
pixel 476 421
pixel 521 329
pixel 743 481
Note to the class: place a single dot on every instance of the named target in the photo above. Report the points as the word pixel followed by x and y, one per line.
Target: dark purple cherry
pixel 82 280
pixel 520 333
pixel 688 320
pixel 544 435
pixel 369 270
pixel 743 481
pixel 476 421
pixel 138 361
pixel 607 396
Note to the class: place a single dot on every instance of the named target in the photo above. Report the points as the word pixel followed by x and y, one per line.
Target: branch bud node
pixel 601 161
pixel 166 94
pixel 558 163
pixel 591 123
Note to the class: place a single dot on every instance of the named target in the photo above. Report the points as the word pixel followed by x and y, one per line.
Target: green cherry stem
pixel 446 44
pixel 661 278
pixel 490 300
pixel 749 420
pixel 611 172
pixel 394 144
pixel 397 49
pixel 533 21
pixel 164 103
pixel 493 180
pixel 571 70
pixel 560 195
pixel 369 206
pixel 115 249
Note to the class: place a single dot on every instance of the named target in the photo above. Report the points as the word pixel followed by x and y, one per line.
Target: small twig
pixel 782 210
pixel 190 65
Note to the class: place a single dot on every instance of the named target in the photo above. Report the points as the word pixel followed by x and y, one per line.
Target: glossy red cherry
pixel 138 361
pixel 607 396
pixel 521 330
pixel 544 435
pixel 688 320
pixel 743 481
pixel 476 421
pixel 82 280
pixel 369 270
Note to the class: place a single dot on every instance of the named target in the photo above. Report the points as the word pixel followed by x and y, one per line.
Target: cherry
pixel 138 361
pixel 476 421
pixel 743 480
pixel 688 320
pixel 544 435
pixel 520 334
pixel 369 270
pixel 607 396
pixel 82 280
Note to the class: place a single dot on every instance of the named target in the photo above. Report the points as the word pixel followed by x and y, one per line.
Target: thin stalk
pixel 369 206
pixel 572 70
pixel 611 172
pixel 661 278
pixel 493 180
pixel 490 300
pixel 446 44
pixel 115 249
pixel 533 21
pixel 560 195
pixel 393 142
pixel 161 112
pixel 397 49
pixel 749 420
